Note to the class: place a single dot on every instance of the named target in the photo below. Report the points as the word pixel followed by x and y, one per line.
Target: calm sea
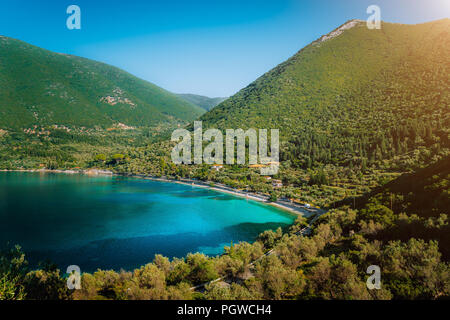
pixel 121 223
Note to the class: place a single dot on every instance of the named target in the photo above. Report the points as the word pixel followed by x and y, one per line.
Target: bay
pixel 121 223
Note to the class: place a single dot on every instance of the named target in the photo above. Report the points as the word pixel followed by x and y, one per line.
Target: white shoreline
pixel 291 208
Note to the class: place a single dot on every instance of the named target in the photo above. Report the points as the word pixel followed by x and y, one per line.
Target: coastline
pixel 283 205
pixel 280 204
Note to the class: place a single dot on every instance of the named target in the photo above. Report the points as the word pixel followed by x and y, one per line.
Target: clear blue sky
pixel 211 47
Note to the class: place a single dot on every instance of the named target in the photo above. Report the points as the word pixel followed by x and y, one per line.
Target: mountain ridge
pixel 46 88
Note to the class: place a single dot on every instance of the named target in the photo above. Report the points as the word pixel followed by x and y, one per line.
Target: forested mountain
pixel 39 87
pixel 201 101
pixel 353 96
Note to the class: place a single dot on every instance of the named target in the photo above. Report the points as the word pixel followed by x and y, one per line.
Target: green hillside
pixel 39 87
pixel 202 101
pixel 425 192
pixel 356 109
pixel 353 96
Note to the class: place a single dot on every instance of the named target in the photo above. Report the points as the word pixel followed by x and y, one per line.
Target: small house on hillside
pixel 277 183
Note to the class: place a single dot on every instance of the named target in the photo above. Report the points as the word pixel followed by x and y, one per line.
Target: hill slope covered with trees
pixel 353 96
pixel 355 109
pixel 39 87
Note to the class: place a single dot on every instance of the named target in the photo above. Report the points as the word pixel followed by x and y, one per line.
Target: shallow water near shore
pixel 121 223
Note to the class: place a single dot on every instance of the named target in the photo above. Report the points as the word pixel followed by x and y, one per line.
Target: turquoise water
pixel 121 223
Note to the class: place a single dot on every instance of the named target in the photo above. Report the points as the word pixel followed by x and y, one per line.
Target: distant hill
pixel 202 101
pixel 353 96
pixel 39 87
